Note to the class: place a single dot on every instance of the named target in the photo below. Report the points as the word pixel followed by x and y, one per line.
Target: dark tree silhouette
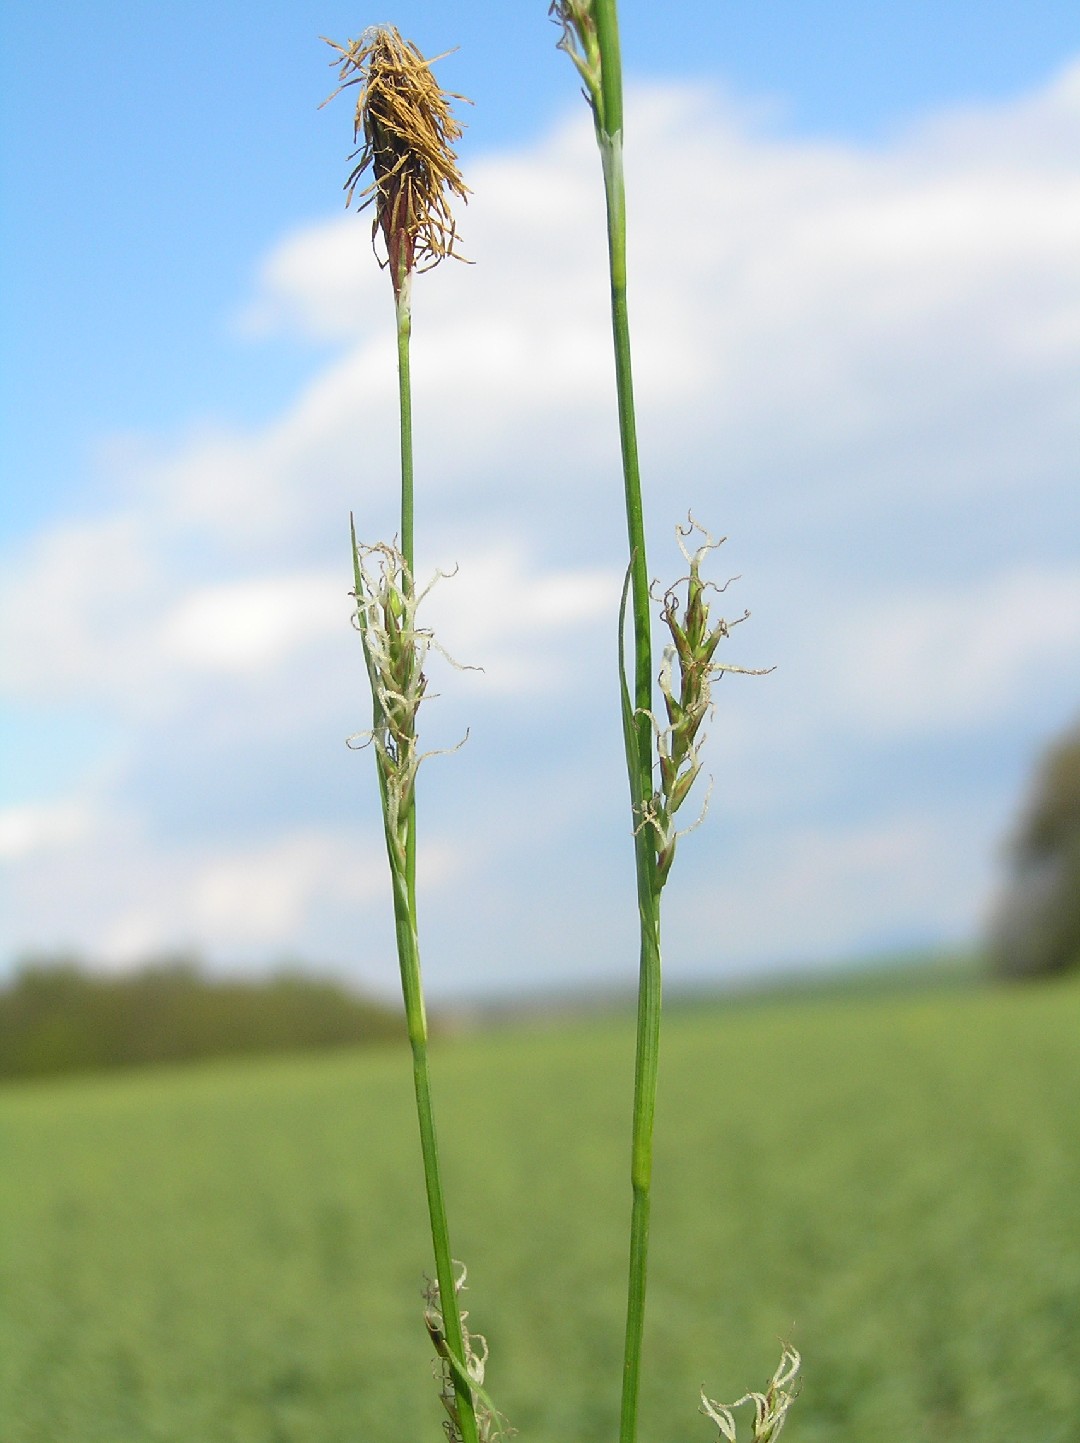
pixel 1036 929
pixel 56 1015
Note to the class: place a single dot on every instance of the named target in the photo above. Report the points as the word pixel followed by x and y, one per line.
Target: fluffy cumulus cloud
pixel 861 364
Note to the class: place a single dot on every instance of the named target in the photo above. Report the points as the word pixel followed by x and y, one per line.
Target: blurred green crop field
pixel 234 1253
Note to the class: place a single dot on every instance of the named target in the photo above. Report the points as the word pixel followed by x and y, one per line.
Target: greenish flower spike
pixel 770 1407
pixel 395 651
pixel 454 1373
pixel 581 42
pixel 687 672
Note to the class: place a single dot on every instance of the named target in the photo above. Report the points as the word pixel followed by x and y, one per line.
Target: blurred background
pixel 855 250
pixel 855 292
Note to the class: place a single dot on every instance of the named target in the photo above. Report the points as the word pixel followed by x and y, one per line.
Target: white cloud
pixel 253 625
pixel 129 896
pixel 107 627
pixel 319 281
pixel 496 611
pixel 788 300
pixel 861 362
pixel 954 659
pixel 263 894
pixel 261 900
pixel 42 826
pixel 73 608
pixel 830 891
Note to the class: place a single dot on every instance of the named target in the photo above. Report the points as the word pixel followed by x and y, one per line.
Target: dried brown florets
pixel 408 133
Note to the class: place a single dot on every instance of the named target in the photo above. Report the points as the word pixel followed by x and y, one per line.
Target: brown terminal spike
pixel 408 133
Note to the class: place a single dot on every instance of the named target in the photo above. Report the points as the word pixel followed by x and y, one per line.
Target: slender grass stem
pixel 403 315
pixel 416 1021
pixel 401 852
pixel 637 727
pixel 645 1074
pixel 408 132
pixel 615 197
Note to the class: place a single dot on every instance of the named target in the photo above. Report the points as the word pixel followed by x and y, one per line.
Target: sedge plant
pixel 404 121
pixel 407 131
pixel 663 757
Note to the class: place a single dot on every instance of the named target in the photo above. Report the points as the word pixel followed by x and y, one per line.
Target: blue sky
pixel 881 308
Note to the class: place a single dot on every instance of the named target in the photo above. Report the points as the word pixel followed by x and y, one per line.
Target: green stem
pixel 638 727
pixel 615 195
pixel 403 314
pixel 606 15
pixel 403 311
pixel 646 1061
pixel 416 1021
pixel 402 856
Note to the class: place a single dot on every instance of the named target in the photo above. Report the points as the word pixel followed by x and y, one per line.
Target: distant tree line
pixel 1036 929
pixel 57 1015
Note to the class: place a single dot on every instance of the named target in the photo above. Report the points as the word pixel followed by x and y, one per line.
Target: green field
pixel 234 1251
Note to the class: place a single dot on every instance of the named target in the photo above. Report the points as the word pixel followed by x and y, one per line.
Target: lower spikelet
pixel 770 1407
pixel 491 1425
